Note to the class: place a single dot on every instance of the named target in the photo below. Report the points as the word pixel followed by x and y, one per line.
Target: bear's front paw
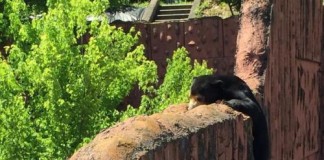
pixel 227 103
pixel 232 103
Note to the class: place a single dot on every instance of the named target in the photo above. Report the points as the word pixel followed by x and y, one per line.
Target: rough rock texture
pixel 206 132
pixel 210 38
pixel 292 92
pixel 252 43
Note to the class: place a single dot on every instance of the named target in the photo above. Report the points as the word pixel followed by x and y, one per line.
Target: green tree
pixel 175 87
pixel 233 3
pixel 56 93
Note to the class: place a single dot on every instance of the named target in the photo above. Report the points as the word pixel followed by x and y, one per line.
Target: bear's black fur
pixel 234 92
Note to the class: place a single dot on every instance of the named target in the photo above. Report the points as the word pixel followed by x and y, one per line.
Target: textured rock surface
pixel 205 132
pixel 252 43
pixel 293 94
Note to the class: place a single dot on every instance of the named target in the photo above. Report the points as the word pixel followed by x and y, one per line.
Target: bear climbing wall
pixel 292 86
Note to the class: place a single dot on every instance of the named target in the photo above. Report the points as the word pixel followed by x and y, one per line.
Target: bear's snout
pixel 193 103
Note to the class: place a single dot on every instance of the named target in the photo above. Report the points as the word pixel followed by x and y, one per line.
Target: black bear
pixel 234 92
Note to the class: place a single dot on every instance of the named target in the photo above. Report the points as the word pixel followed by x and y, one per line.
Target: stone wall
pixel 205 132
pixel 293 95
pixel 210 38
pixel 293 80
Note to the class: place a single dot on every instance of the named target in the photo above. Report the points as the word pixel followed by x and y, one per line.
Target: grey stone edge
pixel 195 5
pixel 150 11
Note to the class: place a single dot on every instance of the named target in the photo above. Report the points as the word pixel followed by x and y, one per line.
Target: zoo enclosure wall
pixel 205 132
pixel 210 38
pixel 294 82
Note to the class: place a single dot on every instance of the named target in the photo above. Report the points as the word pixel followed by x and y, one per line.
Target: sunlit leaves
pixel 175 87
pixel 56 92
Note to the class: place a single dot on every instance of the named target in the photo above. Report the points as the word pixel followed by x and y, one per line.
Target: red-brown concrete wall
pixel 211 38
pixel 321 80
pixel 205 132
pixel 292 86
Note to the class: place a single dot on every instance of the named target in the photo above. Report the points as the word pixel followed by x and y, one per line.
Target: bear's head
pixel 205 89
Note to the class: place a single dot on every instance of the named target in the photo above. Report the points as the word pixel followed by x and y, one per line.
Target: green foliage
pixel 233 3
pixel 200 9
pixel 220 8
pixel 16 132
pixel 175 87
pixel 56 93
pixel 141 4
pixel 161 1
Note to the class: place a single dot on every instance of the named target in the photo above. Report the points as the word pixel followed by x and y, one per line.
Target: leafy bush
pixel 175 87
pixel 177 81
pixel 221 8
pixel 56 93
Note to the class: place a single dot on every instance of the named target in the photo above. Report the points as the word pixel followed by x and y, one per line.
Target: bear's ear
pixel 218 83
pixel 193 80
